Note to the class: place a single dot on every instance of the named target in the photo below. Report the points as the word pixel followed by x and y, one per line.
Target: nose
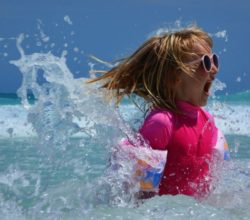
pixel 214 70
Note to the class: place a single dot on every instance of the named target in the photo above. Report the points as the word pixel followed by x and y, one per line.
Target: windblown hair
pixel 152 70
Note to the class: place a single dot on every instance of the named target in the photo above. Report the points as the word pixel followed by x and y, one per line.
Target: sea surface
pixel 57 136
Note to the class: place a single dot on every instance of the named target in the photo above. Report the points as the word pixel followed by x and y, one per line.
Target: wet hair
pixel 152 71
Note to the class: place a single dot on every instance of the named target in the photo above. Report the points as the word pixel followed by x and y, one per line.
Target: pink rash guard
pixel 189 139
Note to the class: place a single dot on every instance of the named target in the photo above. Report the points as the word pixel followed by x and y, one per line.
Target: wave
pixel 240 97
pixel 230 118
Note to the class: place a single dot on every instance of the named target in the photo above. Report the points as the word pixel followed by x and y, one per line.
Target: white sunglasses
pixel 207 61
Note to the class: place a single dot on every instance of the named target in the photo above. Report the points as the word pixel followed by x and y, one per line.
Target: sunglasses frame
pixel 214 59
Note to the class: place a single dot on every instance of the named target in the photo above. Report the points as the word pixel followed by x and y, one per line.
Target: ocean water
pixel 56 138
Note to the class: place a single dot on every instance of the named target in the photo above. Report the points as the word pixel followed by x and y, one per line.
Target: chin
pixel 203 99
pixel 203 102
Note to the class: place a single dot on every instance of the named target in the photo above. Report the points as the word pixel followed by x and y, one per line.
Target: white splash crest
pixel 64 105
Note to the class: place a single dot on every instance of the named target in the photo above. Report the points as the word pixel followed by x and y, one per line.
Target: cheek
pixel 200 74
pixel 200 77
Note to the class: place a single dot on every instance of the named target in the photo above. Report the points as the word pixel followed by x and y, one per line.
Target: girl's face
pixel 196 90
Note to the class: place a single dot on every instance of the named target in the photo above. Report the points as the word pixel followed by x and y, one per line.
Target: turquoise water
pixel 67 179
pixel 56 138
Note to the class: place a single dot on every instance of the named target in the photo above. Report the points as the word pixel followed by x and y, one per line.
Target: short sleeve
pixel 157 129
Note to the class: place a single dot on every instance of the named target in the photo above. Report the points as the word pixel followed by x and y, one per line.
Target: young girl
pixel 174 73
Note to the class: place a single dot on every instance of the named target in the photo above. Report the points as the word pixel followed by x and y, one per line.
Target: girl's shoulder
pixel 160 115
pixel 157 128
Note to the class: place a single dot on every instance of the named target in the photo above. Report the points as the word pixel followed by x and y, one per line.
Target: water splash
pixel 67 20
pixel 66 108
pixel 221 34
pixel 217 86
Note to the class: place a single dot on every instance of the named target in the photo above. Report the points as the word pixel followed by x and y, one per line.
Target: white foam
pixel 232 119
pixel 13 122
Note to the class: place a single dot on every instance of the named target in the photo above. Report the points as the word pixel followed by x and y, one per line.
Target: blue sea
pixel 56 137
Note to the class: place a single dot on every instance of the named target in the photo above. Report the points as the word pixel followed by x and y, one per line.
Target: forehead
pixel 202 47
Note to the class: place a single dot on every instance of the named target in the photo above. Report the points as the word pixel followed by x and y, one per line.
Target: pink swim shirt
pixel 189 139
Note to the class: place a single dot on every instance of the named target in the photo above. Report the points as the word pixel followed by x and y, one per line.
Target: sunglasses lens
pixel 216 61
pixel 207 63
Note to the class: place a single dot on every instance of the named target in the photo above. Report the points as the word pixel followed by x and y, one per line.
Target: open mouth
pixel 207 88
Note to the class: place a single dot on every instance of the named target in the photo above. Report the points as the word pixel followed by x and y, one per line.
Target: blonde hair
pixel 152 70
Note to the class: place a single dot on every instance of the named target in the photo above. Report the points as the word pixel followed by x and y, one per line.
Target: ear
pixel 178 81
pixel 178 78
pixel 177 84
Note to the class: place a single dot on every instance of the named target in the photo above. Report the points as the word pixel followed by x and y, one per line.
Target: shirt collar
pixel 188 109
